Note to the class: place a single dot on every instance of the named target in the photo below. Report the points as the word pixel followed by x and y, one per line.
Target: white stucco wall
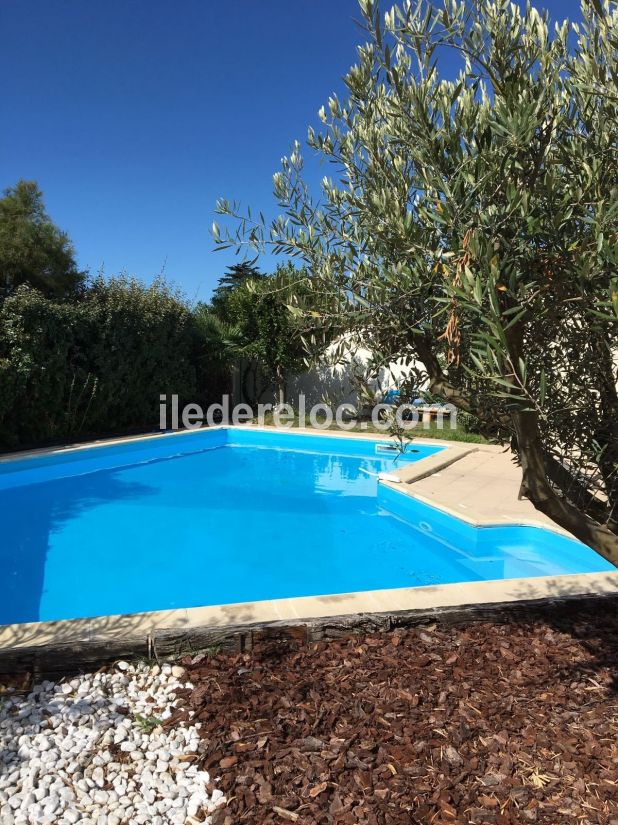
pixel 332 380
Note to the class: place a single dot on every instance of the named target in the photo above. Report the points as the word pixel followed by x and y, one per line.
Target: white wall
pixel 332 380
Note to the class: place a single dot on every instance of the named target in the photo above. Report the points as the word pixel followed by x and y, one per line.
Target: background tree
pixel 221 346
pixel 32 249
pixel 279 343
pixel 267 329
pixel 474 227
pixel 234 277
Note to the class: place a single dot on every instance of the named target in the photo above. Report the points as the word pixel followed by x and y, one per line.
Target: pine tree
pixel 33 250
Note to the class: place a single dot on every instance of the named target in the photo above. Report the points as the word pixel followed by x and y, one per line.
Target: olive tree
pixel 472 225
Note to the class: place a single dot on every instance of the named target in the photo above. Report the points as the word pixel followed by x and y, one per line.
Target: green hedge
pixel 96 366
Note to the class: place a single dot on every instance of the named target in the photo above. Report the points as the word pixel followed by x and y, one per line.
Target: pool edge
pixel 82 643
pixel 157 434
pixel 74 644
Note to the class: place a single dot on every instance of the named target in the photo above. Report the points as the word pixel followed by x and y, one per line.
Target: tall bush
pixel 98 365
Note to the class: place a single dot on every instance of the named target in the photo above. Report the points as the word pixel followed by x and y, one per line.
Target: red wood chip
pixel 484 723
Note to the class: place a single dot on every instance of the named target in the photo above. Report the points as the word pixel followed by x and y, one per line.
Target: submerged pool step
pixel 510 550
pixel 395 450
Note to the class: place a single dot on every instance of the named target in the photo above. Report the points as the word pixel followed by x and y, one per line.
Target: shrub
pixel 98 365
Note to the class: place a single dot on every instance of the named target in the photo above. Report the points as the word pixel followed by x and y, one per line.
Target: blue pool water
pixel 236 515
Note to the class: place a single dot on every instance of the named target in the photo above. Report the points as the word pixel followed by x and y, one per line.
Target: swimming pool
pixel 232 515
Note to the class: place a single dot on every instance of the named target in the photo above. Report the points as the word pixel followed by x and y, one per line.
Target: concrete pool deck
pixel 476 483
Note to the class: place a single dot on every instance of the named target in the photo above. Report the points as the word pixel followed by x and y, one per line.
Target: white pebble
pixel 56 765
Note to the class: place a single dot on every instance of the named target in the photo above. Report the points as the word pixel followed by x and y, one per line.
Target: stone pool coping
pixel 38 452
pixel 68 645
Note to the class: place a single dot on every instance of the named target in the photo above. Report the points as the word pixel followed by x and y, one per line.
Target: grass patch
pixel 420 431
pixel 147 723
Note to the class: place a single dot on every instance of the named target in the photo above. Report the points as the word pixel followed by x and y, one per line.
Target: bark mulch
pixel 484 723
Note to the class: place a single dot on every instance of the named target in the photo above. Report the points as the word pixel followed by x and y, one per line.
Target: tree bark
pixel 281 388
pixel 537 488
pixel 494 425
pixel 607 434
pixel 535 483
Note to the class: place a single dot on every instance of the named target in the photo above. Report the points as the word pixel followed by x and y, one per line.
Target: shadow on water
pixel 29 515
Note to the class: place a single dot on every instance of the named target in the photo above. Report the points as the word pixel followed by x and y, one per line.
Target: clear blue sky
pixel 134 116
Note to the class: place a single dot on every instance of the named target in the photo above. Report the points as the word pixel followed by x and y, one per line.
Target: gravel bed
pixel 95 750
